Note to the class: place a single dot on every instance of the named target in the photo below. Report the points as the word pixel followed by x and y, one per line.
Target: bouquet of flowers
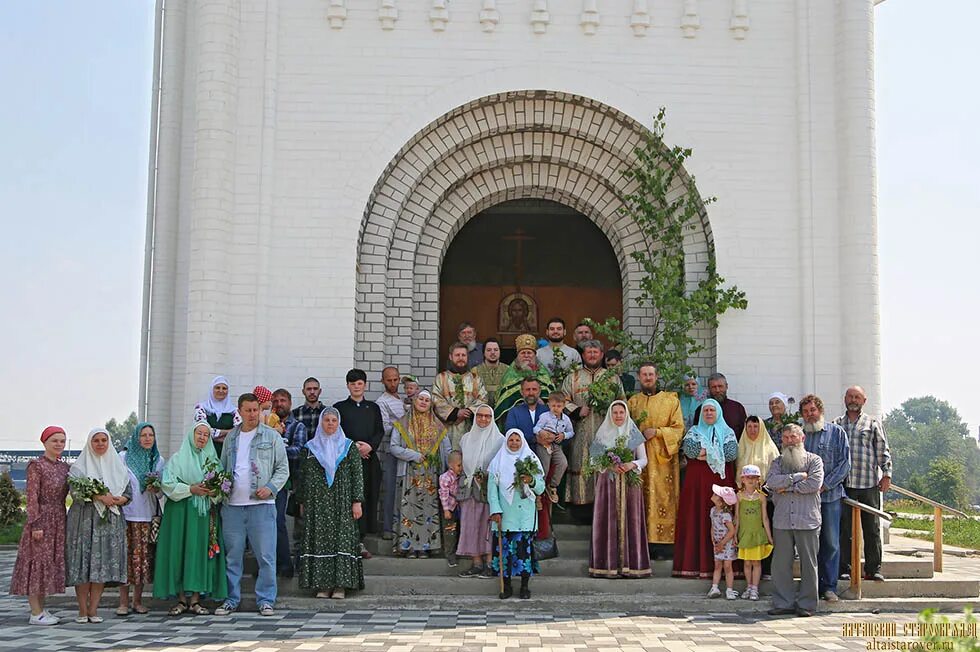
pixel 459 395
pixel 216 480
pixel 559 371
pixel 788 417
pixel 603 391
pixel 86 489
pixel 153 480
pixel 525 466
pixel 433 460
pixel 607 461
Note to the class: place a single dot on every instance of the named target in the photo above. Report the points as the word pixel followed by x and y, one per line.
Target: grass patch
pixel 956 532
pixel 11 533
pixel 909 506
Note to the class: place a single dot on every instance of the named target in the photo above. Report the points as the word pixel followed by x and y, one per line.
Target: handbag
pixel 545 548
pixel 292 506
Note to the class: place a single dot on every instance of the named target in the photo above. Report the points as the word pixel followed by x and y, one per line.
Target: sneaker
pixel 552 494
pixel 754 595
pixel 267 610
pixel 451 560
pixel 51 616
pixel 747 593
pixel 731 594
pixel 472 571
pixel 44 619
pixel 714 592
pixel 830 596
pixel 875 577
pixel 487 574
pixel 226 609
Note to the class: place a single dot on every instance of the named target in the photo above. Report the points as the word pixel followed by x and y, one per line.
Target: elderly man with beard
pixel 456 392
pixel 732 410
pixel 870 475
pixel 794 480
pixel 580 490
pixel 526 365
pixel 466 335
pixel 829 441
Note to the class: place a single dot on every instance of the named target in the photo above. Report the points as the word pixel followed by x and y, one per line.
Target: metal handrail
pixel 928 501
pixel 868 508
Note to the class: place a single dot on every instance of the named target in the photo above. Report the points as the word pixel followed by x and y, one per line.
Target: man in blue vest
pixel 524 416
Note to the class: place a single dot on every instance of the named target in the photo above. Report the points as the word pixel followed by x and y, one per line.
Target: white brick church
pixel 314 160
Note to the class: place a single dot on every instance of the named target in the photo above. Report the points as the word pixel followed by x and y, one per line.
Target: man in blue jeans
pixel 829 441
pixel 256 455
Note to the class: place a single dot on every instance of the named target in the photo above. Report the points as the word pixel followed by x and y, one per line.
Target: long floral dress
pixel 40 566
pixel 330 555
pixel 95 549
pixel 423 445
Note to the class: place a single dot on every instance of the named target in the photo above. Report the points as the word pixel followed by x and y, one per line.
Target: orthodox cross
pixel 520 238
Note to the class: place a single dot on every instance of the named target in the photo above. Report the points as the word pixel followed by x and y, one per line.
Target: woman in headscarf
pixel 190 551
pixel 95 550
pixel 479 446
pixel 40 567
pixel 711 449
pixel 691 399
pixel 513 512
pixel 756 447
pixel 779 406
pixel 419 442
pixel 218 409
pixel 619 531
pixel 143 458
pixel 331 493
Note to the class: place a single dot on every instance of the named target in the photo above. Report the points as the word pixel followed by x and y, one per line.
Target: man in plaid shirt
pixel 869 477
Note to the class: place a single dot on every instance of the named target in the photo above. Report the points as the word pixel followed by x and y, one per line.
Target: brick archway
pixel 517 145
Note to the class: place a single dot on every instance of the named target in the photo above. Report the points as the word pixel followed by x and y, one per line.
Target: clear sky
pixel 74 125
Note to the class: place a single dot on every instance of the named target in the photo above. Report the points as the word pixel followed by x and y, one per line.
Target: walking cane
pixel 500 539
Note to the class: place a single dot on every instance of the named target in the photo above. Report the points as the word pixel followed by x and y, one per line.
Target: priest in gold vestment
pixel 658 416
pixel 456 393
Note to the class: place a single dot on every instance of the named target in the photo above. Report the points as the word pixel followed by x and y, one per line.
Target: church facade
pixel 313 161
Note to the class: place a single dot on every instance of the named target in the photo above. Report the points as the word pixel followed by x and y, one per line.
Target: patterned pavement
pixel 448 630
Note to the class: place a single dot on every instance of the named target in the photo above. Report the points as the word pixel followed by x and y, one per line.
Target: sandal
pixel 324 595
pixel 140 609
pixel 178 609
pixel 123 612
pixel 198 610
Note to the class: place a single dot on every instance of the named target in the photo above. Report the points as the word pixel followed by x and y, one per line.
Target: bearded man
pixel 795 479
pixel 526 365
pixel 732 410
pixel 456 393
pixel 557 356
pixel 658 416
pixel 466 335
pixel 587 409
pixel 491 371
pixel 829 441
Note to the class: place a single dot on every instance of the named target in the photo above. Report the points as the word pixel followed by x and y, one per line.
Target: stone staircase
pixel 394 582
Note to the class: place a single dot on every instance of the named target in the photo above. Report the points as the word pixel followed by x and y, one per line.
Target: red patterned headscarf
pixel 51 430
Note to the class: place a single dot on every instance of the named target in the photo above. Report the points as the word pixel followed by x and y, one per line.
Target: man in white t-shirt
pixel 256 456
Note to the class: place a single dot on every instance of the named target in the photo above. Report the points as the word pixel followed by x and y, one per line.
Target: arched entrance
pixel 518 263
pixel 519 145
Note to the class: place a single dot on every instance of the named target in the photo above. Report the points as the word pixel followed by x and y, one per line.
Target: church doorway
pixel 519 263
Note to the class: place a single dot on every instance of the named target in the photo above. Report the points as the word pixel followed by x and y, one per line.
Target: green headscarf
pixel 187 466
pixel 140 460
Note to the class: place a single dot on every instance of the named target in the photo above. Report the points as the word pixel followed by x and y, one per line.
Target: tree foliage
pixel 932 450
pixel 664 217
pixel 120 432
pixel 10 509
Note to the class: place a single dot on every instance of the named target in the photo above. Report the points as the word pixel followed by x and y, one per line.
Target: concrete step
pixel 567 548
pixel 940 585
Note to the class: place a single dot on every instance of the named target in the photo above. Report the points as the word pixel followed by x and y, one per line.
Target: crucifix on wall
pixel 518 312
pixel 520 238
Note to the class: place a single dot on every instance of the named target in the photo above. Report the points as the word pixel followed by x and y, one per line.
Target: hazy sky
pixel 74 124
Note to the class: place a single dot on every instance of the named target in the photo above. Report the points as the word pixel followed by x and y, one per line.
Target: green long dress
pixel 330 556
pixel 182 561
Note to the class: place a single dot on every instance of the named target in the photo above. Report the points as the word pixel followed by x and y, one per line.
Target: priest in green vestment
pixel 526 364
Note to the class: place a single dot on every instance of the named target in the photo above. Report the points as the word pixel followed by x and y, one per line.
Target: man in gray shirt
pixel 557 356
pixel 794 482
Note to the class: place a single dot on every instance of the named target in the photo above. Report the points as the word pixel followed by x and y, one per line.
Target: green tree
pixel 10 509
pixel 946 482
pixel 120 432
pixel 664 217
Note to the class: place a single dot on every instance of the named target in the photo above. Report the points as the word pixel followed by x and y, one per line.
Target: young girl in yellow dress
pixel 754 532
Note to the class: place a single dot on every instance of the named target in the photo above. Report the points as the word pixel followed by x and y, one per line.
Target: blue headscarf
pixel 689 404
pixel 713 437
pixel 329 450
pixel 141 460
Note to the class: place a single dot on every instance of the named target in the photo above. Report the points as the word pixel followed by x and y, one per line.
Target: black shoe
pixel 472 571
pixel 525 592
pixel 508 589
pixel 803 613
pixel 844 576
pixel 875 577
pixel 781 612
pixel 487 574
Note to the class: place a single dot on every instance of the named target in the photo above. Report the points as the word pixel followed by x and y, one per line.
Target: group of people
pixel 470 469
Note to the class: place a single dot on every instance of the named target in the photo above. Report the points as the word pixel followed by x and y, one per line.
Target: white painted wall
pixel 275 127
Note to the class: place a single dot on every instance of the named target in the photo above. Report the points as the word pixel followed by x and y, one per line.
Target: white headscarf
pixel 108 467
pixel 782 397
pixel 213 406
pixel 503 465
pixel 609 432
pixel 480 445
pixel 329 450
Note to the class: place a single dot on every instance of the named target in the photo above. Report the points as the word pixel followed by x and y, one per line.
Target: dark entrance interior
pixel 517 264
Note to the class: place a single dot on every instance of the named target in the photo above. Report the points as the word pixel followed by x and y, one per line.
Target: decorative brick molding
pixel 526 144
